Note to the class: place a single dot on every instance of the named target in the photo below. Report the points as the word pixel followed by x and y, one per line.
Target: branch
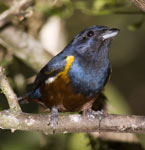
pixel 140 4
pixel 24 47
pixel 15 9
pixel 72 123
pixel 7 90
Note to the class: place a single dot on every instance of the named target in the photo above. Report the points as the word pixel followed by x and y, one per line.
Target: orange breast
pixel 61 94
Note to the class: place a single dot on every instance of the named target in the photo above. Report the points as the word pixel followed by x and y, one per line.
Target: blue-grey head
pixel 91 67
pixel 94 39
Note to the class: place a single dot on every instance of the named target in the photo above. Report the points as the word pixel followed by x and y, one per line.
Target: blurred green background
pixel 55 23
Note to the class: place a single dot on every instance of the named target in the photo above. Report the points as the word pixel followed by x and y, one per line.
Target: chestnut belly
pixel 60 94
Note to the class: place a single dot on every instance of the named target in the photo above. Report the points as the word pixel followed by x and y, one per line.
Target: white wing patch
pixel 50 80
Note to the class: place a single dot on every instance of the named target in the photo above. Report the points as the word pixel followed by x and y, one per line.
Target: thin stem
pixel 13 10
pixel 7 90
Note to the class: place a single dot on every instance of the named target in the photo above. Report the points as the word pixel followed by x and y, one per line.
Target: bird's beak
pixel 109 34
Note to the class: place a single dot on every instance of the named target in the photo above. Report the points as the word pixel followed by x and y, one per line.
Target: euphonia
pixel 73 79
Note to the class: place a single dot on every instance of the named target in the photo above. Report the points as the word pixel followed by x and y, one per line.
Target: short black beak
pixel 109 34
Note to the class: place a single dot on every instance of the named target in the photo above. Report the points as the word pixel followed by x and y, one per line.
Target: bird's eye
pixel 90 33
pixel 84 38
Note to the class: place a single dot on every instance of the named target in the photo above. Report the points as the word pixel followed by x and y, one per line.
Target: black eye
pixel 90 33
pixel 84 38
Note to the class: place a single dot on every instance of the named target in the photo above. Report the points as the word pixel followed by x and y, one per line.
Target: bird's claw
pixel 91 114
pixel 101 115
pixel 54 118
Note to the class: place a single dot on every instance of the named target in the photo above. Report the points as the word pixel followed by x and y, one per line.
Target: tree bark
pixel 72 123
pixel 139 3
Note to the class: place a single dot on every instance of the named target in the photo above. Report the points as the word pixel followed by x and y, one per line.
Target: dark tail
pixel 35 94
pixel 24 99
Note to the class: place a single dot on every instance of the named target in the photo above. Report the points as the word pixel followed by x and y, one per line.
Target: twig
pixel 7 90
pixel 140 4
pixel 24 47
pixel 72 123
pixel 14 10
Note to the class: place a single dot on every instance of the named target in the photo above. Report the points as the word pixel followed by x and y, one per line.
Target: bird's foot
pixel 87 113
pixel 54 118
pixel 101 115
pixel 93 114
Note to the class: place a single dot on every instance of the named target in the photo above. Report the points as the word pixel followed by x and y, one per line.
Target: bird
pixel 73 79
